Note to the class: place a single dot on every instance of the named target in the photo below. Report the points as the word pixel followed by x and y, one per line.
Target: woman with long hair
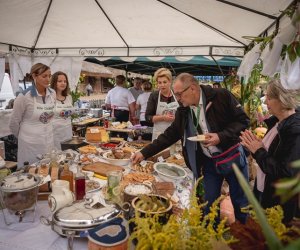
pixel 63 108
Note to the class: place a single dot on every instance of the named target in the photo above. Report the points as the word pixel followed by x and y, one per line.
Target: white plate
pixel 195 138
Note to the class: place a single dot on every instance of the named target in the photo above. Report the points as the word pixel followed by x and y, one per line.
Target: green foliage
pixel 271 238
pixel 289 187
pixel 75 93
pixel 270 220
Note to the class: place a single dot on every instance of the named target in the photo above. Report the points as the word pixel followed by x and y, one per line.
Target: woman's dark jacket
pixel 275 163
pixel 224 115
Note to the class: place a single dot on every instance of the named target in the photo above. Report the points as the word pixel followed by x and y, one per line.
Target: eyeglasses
pixel 179 94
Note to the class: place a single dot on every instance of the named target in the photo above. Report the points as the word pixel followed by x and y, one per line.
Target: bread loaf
pixel 102 168
pixel 96 134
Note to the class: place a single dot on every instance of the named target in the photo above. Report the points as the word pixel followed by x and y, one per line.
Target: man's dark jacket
pixel 224 115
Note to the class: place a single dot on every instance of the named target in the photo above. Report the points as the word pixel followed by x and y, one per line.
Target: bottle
pixel 26 166
pixel 106 123
pixel 79 183
pixel 67 175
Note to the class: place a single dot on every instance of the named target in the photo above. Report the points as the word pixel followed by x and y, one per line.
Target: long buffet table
pixel 37 236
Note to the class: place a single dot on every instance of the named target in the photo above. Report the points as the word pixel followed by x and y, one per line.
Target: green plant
pixel 193 230
pixel 272 240
pixel 289 187
pixel 76 94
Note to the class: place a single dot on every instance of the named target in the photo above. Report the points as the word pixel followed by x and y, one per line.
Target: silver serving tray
pixel 79 215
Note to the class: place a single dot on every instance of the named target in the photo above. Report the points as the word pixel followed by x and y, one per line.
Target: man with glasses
pixel 216 114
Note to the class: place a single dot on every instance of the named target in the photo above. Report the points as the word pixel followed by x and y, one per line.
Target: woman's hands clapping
pixel 250 141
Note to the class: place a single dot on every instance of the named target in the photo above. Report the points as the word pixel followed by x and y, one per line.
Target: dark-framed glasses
pixel 179 94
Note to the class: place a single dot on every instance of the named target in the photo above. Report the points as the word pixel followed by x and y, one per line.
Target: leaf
pixel 295 245
pixel 286 183
pixel 296 164
pixel 297 49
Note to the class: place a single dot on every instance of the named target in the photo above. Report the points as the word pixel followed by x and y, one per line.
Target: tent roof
pixel 133 27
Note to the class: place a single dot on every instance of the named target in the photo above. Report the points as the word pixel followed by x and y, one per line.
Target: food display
pixel 144 166
pixel 117 157
pixel 138 144
pixel 137 189
pixel 91 185
pixel 108 145
pixel 119 153
pixel 96 134
pixel 119 125
pixel 134 189
pixel 152 204
pixel 102 168
pixel 137 177
pixel 88 149
pixel 178 160
pixel 19 192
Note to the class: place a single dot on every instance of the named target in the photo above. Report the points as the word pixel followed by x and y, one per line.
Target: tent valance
pixel 133 27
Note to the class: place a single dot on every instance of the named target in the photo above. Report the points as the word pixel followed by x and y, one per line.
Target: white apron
pixel 163 108
pixel 36 134
pixel 62 126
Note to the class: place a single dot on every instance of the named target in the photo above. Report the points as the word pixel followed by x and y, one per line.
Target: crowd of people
pixel 178 109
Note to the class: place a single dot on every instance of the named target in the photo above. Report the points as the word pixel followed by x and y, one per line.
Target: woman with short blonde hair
pixel 163 72
pixel 162 104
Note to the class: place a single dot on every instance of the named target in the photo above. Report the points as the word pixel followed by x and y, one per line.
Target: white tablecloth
pixel 34 236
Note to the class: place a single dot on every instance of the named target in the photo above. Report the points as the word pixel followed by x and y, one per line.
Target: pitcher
pixel 61 195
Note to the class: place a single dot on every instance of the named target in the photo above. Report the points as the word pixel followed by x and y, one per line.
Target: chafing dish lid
pixel 19 182
pixel 78 215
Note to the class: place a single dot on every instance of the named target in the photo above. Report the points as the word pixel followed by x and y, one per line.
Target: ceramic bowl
pixel 169 171
pixel 117 162
pixel 132 190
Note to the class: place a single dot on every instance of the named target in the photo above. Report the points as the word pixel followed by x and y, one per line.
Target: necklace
pixel 62 101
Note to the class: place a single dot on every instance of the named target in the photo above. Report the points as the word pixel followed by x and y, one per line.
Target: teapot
pixel 61 195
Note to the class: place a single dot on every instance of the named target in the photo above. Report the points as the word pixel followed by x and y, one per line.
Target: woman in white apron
pixel 162 104
pixel 32 117
pixel 62 125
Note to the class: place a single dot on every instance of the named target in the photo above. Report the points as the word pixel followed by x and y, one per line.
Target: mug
pixel 61 195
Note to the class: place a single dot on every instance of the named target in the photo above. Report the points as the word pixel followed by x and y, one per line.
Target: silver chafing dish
pixel 74 220
pixel 18 195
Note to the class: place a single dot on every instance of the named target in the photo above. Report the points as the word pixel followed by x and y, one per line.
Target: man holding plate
pixel 217 115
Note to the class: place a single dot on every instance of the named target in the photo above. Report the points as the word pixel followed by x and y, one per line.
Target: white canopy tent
pixel 44 30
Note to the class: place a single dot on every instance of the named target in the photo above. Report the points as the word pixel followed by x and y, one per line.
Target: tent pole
pixel 247 9
pixel 42 26
pixel 218 66
pixel 204 23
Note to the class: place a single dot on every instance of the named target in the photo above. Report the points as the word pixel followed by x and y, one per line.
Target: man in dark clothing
pixel 217 114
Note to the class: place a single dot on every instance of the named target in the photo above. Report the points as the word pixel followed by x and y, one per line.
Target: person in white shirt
pixel 136 90
pixel 32 117
pixel 89 89
pixel 141 103
pixel 63 108
pixel 121 101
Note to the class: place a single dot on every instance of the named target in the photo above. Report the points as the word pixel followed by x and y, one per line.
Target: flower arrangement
pixel 192 230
